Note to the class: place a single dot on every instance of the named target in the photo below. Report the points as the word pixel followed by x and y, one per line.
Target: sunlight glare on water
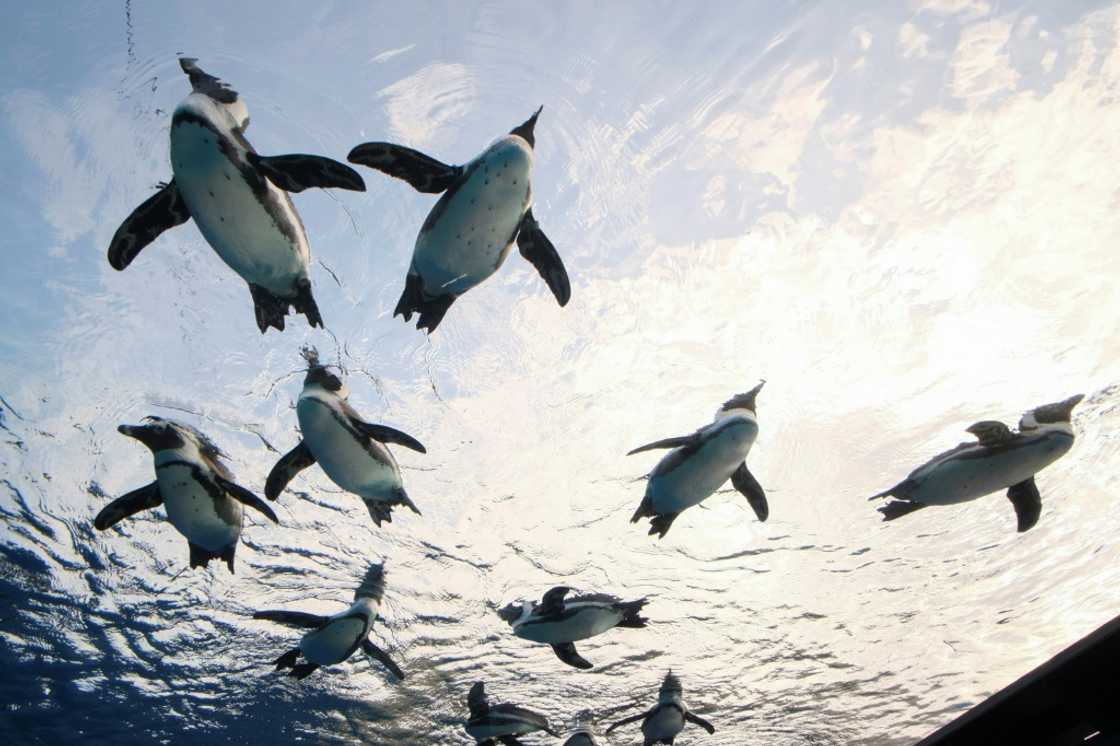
pixel 903 217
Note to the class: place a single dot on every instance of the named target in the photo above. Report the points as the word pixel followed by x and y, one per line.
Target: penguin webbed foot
pixel 631 614
pixel 301 671
pixel 898 508
pixel 659 524
pixel 270 309
pixel 287 660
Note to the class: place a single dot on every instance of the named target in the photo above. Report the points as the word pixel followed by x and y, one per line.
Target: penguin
pixel 486 205
pixel 700 463
pixel 999 459
pixel 490 724
pixel 561 621
pixel 582 737
pixel 666 720
pixel 333 639
pixel 352 452
pixel 203 502
pixel 238 199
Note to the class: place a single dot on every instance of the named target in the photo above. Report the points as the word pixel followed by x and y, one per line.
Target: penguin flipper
pixel 745 482
pixel 247 498
pixel 164 209
pixel 129 504
pixel 386 434
pixel 303 670
pixel 290 464
pixel 1027 501
pixel 382 657
pixel 292 618
pixel 553 600
pixel 697 720
pixel 566 651
pixel 898 508
pixel 627 721
pixel 296 172
pixel 535 246
pixel 477 701
pixel 423 172
pixel 683 440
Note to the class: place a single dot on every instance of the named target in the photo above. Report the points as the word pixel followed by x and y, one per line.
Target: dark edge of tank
pixel 1070 699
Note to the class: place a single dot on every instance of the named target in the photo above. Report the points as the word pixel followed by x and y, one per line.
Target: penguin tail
pixel 404 499
pixel 305 303
pixel 898 508
pixel 644 509
pixel 631 614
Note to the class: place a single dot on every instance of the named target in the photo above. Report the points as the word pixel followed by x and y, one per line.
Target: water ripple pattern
pixel 902 216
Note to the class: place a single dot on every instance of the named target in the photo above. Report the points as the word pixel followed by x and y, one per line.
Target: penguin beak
pixel 751 398
pixel 1066 407
pixel 146 434
pixel 1058 411
pixel 525 130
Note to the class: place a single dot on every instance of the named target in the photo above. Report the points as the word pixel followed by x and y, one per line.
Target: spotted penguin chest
pixel 334 642
pixel 700 475
pixel 471 229
pixel 255 231
pixel 365 468
pixel 959 480
pixel 211 523
pixel 577 623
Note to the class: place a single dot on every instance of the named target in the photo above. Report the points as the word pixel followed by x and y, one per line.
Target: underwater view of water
pixel 902 215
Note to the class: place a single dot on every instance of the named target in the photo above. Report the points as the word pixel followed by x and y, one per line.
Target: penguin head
pixel 525 129
pixel 319 375
pixel 671 689
pixel 221 94
pixel 156 433
pixel 512 612
pixel 741 401
pixel 1055 416
pixel 373 584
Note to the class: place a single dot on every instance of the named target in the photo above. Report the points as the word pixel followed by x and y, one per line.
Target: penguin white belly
pixel 703 473
pixel 342 457
pixel 590 621
pixel 666 722
pixel 194 512
pixel 266 250
pixel 471 230
pixel 332 643
pixel 960 480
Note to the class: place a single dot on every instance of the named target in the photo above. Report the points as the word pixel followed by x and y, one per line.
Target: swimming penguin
pixel 351 451
pixel 238 200
pixel 582 737
pixel 203 503
pixel 490 724
pixel 486 204
pixel 700 463
pixel 666 720
pixel 333 639
pixel 561 621
pixel 999 459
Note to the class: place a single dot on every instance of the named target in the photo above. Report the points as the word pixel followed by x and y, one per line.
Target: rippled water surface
pixel 903 217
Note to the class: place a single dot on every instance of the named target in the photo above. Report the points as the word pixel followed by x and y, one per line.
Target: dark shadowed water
pixel 903 216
